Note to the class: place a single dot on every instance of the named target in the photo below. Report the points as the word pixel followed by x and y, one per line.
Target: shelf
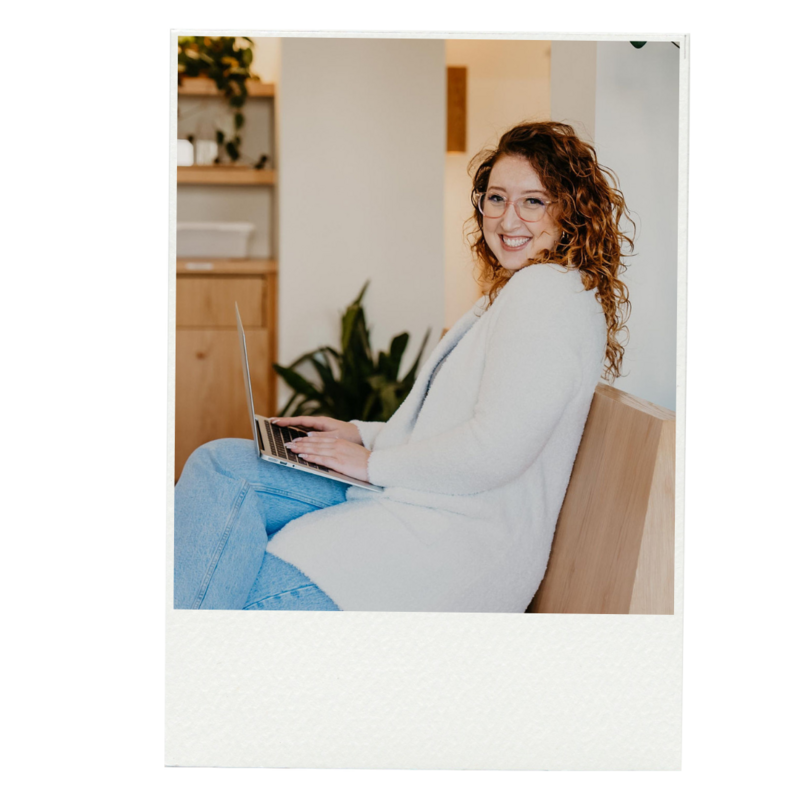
pixel 226 174
pixel 226 266
pixel 205 87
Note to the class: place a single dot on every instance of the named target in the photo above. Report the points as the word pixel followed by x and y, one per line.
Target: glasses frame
pixel 515 203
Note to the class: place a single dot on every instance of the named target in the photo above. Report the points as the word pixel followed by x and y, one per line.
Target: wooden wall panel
pixel 456 109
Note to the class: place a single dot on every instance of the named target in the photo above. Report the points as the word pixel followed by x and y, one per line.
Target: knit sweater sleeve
pixel 369 431
pixel 532 371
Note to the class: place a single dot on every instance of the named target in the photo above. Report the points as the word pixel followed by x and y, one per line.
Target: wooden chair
pixel 614 545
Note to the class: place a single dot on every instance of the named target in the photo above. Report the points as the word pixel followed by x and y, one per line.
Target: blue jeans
pixel 228 504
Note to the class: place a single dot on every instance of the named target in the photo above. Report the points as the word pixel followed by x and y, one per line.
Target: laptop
pixel 271 439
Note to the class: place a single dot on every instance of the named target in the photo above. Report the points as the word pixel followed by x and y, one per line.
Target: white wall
pixel 634 115
pixel 573 85
pixel 361 138
pixel 636 134
pixel 507 81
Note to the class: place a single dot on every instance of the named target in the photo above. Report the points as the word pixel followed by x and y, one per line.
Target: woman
pixel 475 462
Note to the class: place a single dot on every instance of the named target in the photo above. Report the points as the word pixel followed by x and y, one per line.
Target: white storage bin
pixel 213 239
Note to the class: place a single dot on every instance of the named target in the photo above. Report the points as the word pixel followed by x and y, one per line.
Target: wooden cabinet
pixel 210 401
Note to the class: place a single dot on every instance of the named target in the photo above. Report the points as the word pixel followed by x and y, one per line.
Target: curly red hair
pixel 589 209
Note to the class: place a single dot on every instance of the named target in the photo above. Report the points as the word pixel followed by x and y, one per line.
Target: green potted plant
pixel 351 383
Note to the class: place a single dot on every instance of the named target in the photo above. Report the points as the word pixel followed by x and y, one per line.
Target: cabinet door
pixel 208 302
pixel 210 401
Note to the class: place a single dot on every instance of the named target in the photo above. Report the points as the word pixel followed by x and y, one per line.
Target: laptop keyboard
pixel 278 438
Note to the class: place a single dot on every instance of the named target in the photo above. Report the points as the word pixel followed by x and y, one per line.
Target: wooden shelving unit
pixel 205 87
pixel 226 174
pixel 210 400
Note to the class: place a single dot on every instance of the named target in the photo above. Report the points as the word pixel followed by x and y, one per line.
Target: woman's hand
pixel 333 428
pixel 339 454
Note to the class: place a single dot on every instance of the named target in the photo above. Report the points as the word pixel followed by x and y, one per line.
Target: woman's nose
pixel 509 219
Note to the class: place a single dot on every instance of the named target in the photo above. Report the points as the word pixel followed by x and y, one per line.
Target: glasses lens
pixel 531 209
pixel 492 205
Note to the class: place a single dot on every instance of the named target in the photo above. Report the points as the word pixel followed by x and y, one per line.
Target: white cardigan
pixel 475 477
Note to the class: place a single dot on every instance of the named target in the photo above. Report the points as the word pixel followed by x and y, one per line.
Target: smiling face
pixel 512 240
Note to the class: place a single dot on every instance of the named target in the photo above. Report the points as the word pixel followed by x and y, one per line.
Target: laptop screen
pixel 246 370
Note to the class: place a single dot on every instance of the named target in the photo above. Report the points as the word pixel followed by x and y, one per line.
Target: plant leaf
pixel 297 382
pixel 411 375
pixel 356 360
pixel 360 297
pixel 284 412
pixel 323 370
pixel 348 321
pixel 351 316
pixel 301 359
pixel 377 382
pixel 365 412
pixel 396 350
pixel 331 390
pixel 389 401
pixel 358 351
pixel 334 353
pixel 352 385
pixel 307 407
pixel 384 366
pixel 327 353
pixel 232 150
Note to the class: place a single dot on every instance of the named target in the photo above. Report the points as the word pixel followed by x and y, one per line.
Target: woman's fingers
pixel 330 451
pixel 335 427
pixel 319 444
pixel 316 452
pixel 317 423
pixel 319 458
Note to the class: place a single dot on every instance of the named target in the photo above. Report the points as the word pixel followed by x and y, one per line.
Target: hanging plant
pixel 221 60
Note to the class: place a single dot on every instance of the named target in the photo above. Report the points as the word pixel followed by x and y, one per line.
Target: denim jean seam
pixel 236 507
pixel 262 489
pixel 281 594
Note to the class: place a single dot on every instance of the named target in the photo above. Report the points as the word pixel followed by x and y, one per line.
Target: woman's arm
pixel 368 431
pixel 334 443
pixel 532 372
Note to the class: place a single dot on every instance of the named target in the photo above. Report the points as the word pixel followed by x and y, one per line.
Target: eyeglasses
pixel 529 209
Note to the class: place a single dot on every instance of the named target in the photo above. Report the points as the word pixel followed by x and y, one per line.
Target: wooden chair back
pixel 613 549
